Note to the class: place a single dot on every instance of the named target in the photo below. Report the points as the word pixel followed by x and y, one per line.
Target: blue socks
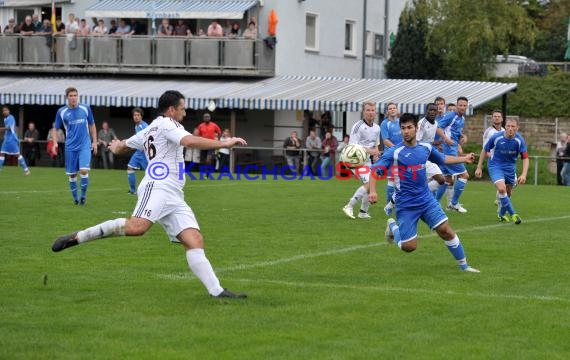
pixel 389 191
pixel 440 191
pixel 73 188
pixel 396 231
pixel 458 189
pixel 131 176
pixel 84 182
pixel 456 249
pixel 506 205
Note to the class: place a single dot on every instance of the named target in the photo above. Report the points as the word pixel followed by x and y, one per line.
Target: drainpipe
pixel 364 41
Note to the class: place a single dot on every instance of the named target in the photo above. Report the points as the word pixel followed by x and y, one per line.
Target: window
pixel 374 44
pixel 350 38
pixel 312 32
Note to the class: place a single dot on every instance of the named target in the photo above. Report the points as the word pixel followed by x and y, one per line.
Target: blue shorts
pixel 138 161
pixel 430 212
pixel 453 169
pixel 10 147
pixel 498 173
pixel 77 160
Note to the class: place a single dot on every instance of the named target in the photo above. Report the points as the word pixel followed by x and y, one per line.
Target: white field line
pixel 403 290
pixel 188 275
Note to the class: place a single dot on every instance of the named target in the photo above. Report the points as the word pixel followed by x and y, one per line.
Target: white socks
pixel 433 185
pixel 108 228
pixel 203 270
pixel 358 194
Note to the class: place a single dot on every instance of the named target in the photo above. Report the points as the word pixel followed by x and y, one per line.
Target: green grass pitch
pixel 321 286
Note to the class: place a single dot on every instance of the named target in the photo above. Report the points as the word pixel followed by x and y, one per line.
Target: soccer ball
pixel 354 155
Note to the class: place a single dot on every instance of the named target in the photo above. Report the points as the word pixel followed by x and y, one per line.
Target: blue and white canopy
pixel 277 93
pixel 171 9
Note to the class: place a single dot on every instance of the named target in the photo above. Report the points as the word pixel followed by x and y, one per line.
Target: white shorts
pixel 432 169
pixel 365 178
pixel 166 208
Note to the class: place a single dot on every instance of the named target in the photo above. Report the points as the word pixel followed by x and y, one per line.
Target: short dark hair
pixel 497 111
pixel 137 110
pixel 168 99
pixel 70 89
pixel 462 98
pixel 407 118
pixel 439 98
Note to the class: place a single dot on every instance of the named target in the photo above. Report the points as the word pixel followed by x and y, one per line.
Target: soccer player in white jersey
pixel 497 126
pixel 414 200
pixel 367 134
pixel 161 191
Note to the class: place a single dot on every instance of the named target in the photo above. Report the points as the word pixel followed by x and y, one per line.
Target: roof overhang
pixel 277 93
pixel 171 9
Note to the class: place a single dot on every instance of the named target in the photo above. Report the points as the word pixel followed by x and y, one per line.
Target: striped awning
pixel 277 93
pixel 171 9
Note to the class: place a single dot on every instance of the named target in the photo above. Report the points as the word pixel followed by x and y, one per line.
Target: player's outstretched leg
pixel 23 164
pixel 106 229
pixel 456 249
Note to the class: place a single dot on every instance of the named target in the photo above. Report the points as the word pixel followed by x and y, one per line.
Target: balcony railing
pixel 137 55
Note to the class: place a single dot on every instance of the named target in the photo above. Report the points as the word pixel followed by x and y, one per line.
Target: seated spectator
pixel 235 31
pixel 100 29
pixel 165 29
pixel 215 29
pixel 113 28
pixel 181 29
pixel 124 29
pixel 11 28
pixel 59 26
pixel 251 31
pixel 27 27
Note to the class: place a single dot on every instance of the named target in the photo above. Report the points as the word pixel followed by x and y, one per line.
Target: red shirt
pixel 209 130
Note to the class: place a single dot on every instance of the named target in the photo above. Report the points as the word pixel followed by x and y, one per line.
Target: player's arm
pixel 522 178
pixel 196 142
pixel 378 168
pixel 469 159
pixel 93 132
pixel 118 147
pixel 444 137
pixel 479 170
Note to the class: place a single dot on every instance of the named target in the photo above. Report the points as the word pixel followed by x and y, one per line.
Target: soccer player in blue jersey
pixel 412 195
pixel 138 160
pixel 391 135
pixel 450 128
pixel 77 119
pixel 11 143
pixel 503 149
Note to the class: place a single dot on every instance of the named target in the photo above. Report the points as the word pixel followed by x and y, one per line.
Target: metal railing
pixel 136 54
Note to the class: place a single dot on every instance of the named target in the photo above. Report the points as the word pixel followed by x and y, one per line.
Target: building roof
pixel 172 9
pixel 277 93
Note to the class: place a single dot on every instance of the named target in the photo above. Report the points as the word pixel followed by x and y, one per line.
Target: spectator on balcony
pixel 27 27
pixel 251 31
pixel 215 29
pixel 84 29
pixel 46 30
pixel 95 23
pixel 72 26
pixel 235 31
pixel 113 28
pixel 11 28
pixel 137 28
pixel 59 26
pixel 181 29
pixel 201 33
pixel 165 29
pixel 124 29
pixel 36 21
pixel 100 29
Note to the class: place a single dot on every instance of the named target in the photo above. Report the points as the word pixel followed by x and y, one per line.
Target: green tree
pixel 409 56
pixel 468 34
pixel 552 23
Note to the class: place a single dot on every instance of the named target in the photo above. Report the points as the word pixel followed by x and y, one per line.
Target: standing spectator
pixel 105 136
pixel 100 29
pixel 234 31
pixel 181 29
pixel 124 29
pixel 314 144
pixel 291 145
pixel 162 201
pixel 11 28
pixel 81 141
pixel 59 27
pixel 138 159
pixel 46 30
pixel 330 145
pixel 84 29
pixel 165 29
pixel 251 31
pixel 55 152
pixel 71 27
pixel 11 143
pixel 36 22
pixel 560 149
pixel 326 123
pixel 137 28
pixel 565 172
pixel 27 27
pixel 215 29
pixel 209 130
pixel 31 146
pixel 225 152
